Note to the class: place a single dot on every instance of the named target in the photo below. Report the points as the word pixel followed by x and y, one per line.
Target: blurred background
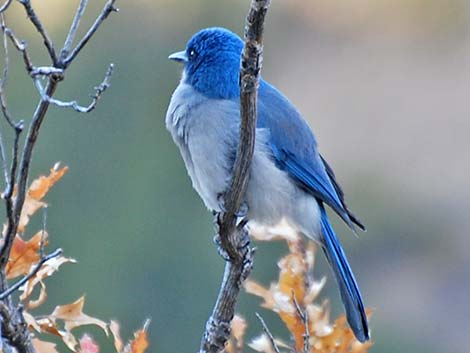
pixel 384 84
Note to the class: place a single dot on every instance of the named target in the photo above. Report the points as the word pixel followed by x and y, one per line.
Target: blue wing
pixel 295 150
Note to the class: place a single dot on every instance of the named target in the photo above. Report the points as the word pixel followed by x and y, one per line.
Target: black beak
pixel 179 56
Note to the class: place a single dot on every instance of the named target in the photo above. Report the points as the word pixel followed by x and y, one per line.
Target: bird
pixel 289 180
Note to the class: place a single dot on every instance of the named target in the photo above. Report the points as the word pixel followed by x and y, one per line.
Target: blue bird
pixel 289 179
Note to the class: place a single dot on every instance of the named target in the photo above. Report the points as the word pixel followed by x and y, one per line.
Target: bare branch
pixel 20 46
pixel 5 6
pixel 2 101
pixel 12 224
pixel 107 9
pixel 14 165
pixel 46 71
pixel 31 274
pixel 74 104
pixel 40 28
pixel 73 29
pixel 268 333
pixel 234 238
pixel 15 328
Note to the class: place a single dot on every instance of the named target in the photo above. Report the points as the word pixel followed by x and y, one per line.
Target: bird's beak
pixel 179 56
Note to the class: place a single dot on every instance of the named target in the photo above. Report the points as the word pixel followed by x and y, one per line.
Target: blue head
pixel 212 62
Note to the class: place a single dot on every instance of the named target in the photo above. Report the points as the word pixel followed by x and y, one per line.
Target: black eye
pixel 192 53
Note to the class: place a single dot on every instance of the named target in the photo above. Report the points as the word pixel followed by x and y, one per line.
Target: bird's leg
pixel 242 211
pixel 217 241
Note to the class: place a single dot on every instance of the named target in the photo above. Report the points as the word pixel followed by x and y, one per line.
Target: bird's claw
pixel 220 249
pixel 242 211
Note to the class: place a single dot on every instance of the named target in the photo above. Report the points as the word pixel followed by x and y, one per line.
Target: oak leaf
pixel 24 254
pixel 36 192
pixel 73 316
pixel 47 270
pixel 293 297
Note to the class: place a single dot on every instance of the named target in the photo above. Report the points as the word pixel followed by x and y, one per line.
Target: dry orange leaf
pixel 47 270
pixel 36 192
pixel 73 316
pixel 43 346
pixel 140 342
pixel 235 342
pixel 24 254
pixel 40 187
pixel 294 281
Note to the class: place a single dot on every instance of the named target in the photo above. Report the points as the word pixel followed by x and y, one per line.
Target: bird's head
pixel 212 62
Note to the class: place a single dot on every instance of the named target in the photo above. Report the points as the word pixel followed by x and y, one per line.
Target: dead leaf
pixel 235 342
pixel 115 330
pixel 40 187
pixel 261 344
pixel 31 321
pixel 87 345
pixel 47 270
pixel 43 346
pixel 294 280
pixel 24 254
pixel 36 192
pixel 140 342
pixel 49 325
pixel 73 316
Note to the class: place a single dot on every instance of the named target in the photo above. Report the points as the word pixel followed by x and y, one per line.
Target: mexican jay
pixel 289 179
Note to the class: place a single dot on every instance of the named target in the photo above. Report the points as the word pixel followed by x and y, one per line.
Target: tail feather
pixel 349 290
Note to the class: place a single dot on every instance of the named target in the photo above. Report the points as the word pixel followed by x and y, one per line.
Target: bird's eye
pixel 192 53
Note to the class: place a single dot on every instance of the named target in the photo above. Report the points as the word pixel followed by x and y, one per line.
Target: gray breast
pixel 205 131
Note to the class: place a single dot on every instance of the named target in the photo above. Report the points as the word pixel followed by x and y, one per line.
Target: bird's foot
pixel 242 211
pixel 222 252
pixel 248 254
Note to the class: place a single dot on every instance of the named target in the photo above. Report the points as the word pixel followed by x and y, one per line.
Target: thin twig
pixel 4 108
pixel 20 46
pixel 107 9
pixel 74 104
pixel 297 306
pixel 303 315
pixel 18 128
pixel 5 6
pixel 40 28
pixel 73 29
pixel 42 242
pixel 31 274
pixel 268 333
pixel 38 118
pixel 3 102
pixel 234 239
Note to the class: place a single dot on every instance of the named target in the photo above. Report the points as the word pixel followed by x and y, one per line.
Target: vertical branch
pixel 73 29
pixel 234 239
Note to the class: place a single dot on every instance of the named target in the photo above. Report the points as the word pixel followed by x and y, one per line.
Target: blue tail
pixel 348 288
